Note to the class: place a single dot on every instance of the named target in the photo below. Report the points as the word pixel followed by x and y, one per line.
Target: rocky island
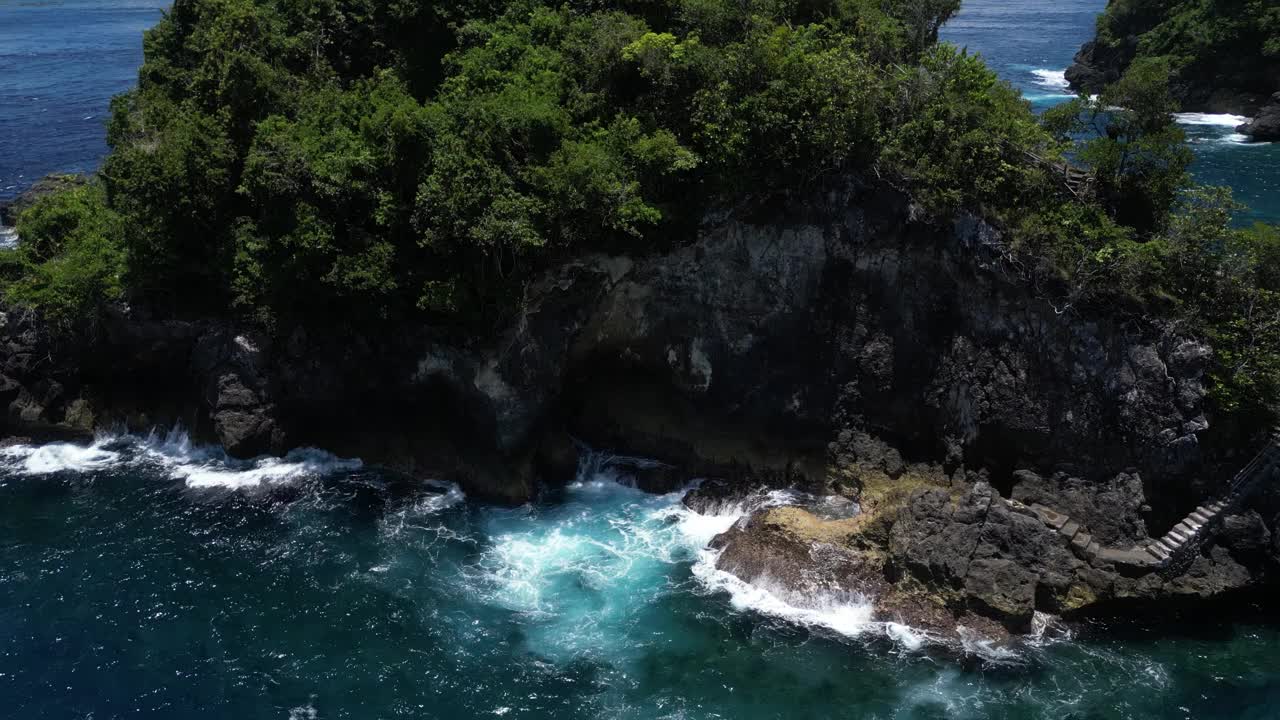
pixel 1222 57
pixel 798 247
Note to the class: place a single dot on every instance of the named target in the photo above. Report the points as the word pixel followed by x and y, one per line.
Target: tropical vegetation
pixel 370 163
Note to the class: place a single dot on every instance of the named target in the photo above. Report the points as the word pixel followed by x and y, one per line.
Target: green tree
pixel 1137 153
pixel 69 263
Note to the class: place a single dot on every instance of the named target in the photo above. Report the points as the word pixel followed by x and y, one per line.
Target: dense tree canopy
pixel 1210 47
pixel 385 161
pixel 294 158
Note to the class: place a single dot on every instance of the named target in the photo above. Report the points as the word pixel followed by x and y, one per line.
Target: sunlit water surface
pixel 146 578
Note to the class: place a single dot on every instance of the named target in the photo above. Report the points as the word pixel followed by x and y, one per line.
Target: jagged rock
pixel 717 496
pixel 942 542
pixel 1112 510
pixel 795 554
pixel 1213 573
pixel 858 452
pixel 1003 589
pixel 238 393
pixel 1245 532
pixel 1265 127
pixel 1097 66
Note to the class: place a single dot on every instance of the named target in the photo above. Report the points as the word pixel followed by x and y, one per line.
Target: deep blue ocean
pixel 146 577
pixel 61 62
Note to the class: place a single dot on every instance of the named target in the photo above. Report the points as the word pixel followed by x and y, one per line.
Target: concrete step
pixel 1179 537
pixel 1081 541
pixel 1157 551
pixel 1200 517
pixel 1166 545
pixel 1093 549
pixel 1188 527
pixel 1070 529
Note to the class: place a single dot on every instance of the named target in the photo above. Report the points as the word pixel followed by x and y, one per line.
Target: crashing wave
pixel 59 457
pixel 1211 119
pixel 200 466
pixel 1055 79
pixel 848 614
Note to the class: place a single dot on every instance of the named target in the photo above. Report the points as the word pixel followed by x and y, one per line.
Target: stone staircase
pixel 1175 551
pixel 1190 530
pixel 1177 548
pixel 1077 536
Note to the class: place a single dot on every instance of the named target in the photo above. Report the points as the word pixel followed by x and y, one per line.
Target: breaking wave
pixel 1213 119
pixel 200 466
pixel 1055 79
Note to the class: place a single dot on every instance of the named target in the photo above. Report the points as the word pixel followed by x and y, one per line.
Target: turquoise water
pixel 1031 43
pixel 145 578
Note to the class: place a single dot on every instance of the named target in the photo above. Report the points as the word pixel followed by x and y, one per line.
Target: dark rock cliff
pixel 749 349
pixel 842 341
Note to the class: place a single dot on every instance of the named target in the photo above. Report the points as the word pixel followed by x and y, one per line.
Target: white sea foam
pixel 1214 119
pixel 307 462
pixel 1047 629
pixel 200 466
pixel 8 237
pixel 60 457
pixel 1056 79
pixel 907 637
pixel 984 647
pixel 850 614
pixel 1244 140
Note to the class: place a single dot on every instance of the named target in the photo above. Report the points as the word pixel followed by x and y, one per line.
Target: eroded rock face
pixel 851 311
pixel 988 557
pixel 1111 509
pixel 745 354
pixel 237 393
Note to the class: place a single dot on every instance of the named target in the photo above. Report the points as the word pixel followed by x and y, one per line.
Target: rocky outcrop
pixel 1220 64
pixel 964 557
pixel 1112 509
pixel 1096 66
pixel 842 343
pixel 1266 126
